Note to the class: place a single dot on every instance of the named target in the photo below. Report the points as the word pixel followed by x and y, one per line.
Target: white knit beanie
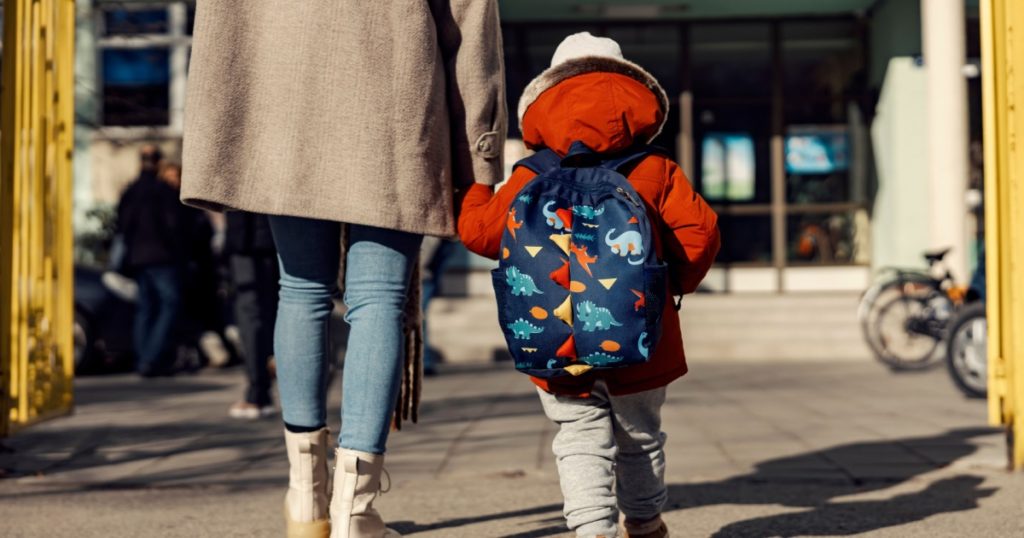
pixel 584 53
pixel 583 45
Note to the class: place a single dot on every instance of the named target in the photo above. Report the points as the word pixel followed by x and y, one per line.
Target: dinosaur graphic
pixel 628 243
pixel 641 302
pixel 595 317
pixel 559 219
pixel 640 344
pixel 587 211
pixel 526 198
pixel 512 224
pixel 582 257
pixel 521 283
pixel 523 330
pixel 589 238
pixel 600 359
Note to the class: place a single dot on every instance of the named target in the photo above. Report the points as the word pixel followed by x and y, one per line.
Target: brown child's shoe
pixel 654 528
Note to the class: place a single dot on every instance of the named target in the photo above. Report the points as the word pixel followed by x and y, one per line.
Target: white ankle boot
pixel 356 484
pixel 306 504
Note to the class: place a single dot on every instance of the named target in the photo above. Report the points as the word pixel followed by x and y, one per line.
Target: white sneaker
pixel 246 411
pixel 213 347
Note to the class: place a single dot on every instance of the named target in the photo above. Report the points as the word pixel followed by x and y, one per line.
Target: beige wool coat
pixel 359 111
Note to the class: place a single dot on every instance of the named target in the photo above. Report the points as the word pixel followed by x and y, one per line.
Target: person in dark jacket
pixel 149 219
pixel 253 261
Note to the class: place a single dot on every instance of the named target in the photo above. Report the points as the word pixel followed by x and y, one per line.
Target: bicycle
pixel 904 317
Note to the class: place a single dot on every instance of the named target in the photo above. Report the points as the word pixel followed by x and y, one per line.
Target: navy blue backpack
pixel 578 283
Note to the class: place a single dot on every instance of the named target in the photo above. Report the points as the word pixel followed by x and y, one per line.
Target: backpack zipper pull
pixel 628 196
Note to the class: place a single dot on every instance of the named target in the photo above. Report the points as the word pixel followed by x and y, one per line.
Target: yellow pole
pixel 1002 22
pixel 36 267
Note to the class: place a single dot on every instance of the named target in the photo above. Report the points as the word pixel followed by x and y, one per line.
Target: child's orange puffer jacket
pixel 610 112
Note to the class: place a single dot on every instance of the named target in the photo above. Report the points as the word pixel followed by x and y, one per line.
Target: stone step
pixel 715 327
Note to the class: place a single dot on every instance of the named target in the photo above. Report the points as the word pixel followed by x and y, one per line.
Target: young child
pixel 609 447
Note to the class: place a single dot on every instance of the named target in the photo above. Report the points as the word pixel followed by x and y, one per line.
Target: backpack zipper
pixel 628 196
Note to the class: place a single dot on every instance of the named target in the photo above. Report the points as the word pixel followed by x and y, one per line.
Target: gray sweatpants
pixel 609 452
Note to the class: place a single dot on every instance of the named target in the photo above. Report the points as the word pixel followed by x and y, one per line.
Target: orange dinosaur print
pixel 512 224
pixel 582 257
pixel 641 302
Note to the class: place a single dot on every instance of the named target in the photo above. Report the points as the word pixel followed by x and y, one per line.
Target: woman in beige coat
pixel 327 114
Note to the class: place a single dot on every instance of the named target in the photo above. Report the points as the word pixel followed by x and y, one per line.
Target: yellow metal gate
pixel 1002 23
pixel 36 268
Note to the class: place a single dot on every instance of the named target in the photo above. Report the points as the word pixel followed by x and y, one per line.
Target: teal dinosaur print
pixel 524 330
pixel 600 359
pixel 526 198
pixel 521 283
pixel 588 238
pixel 595 318
pixel 587 212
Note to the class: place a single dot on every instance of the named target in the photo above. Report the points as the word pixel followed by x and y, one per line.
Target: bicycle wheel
pixel 967 351
pixel 900 347
pixel 882 294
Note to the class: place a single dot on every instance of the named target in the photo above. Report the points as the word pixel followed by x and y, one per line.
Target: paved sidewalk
pixel 755 449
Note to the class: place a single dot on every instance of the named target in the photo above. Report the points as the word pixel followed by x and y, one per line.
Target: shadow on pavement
pixel 812 480
pixel 953 494
pixel 214 453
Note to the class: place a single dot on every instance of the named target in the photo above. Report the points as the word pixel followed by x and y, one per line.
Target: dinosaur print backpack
pixel 578 284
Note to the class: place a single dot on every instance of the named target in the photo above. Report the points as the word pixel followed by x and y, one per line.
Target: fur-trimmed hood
pixel 559 73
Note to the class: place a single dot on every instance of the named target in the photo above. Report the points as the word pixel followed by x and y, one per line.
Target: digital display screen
pixel 728 167
pixel 817 150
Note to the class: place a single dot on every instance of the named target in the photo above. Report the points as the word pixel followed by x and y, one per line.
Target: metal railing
pixel 1002 27
pixel 36 268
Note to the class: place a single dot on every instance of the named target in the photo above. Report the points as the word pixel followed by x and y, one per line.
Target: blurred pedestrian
pixel 149 219
pixel 372 124
pixel 609 447
pixel 252 258
pixel 435 257
pixel 202 324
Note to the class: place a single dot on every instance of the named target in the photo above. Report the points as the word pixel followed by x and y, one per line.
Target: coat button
pixel 485 145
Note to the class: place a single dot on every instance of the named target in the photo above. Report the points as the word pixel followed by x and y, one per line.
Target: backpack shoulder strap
pixel 543 161
pixel 623 163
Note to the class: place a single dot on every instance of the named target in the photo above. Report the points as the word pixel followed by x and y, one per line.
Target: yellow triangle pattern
pixel 564 311
pixel 533 251
pixel 607 282
pixel 562 240
pixel 578 369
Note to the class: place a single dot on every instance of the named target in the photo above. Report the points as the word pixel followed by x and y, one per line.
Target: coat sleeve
pixel 483 213
pixel 469 34
pixel 693 241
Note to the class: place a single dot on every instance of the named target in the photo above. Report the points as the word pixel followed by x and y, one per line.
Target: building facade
pixel 802 122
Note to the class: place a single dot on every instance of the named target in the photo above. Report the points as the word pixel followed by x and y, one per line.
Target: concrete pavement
pixel 756 448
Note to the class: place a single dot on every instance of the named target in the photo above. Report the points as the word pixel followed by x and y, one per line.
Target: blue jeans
pixel 156 316
pixel 436 256
pixel 378 268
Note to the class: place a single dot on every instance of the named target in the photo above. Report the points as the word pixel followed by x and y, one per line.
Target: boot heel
pixel 306 529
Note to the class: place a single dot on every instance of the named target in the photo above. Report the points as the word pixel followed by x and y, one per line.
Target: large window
pixel 766 118
pixel 143 58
